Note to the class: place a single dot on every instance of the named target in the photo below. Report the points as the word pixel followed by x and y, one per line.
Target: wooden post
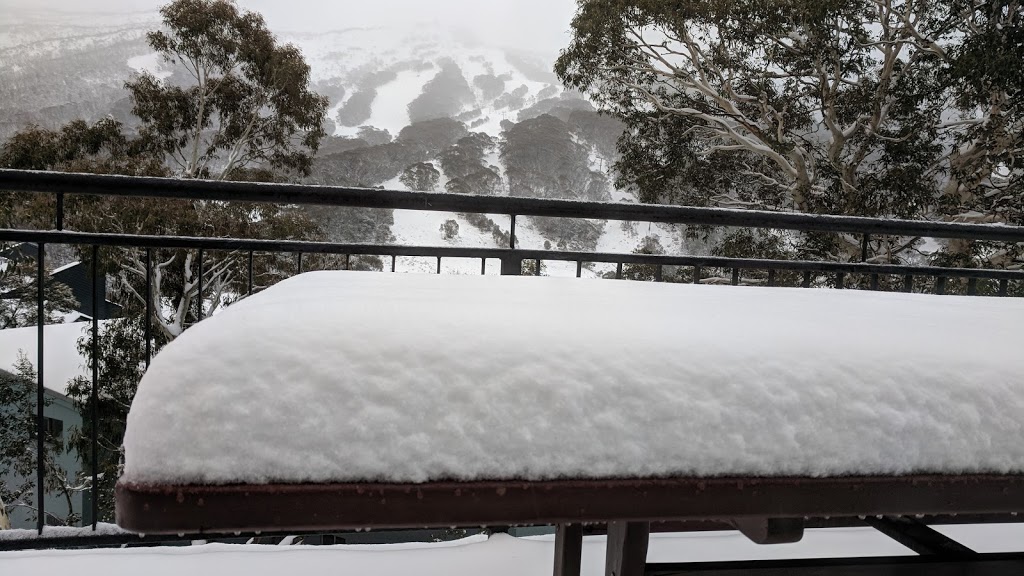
pixel 770 530
pixel 627 548
pixel 568 549
pixel 511 266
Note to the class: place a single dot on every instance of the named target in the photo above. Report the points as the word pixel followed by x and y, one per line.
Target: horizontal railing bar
pixel 134 186
pixel 194 242
pixel 259 245
pixel 784 265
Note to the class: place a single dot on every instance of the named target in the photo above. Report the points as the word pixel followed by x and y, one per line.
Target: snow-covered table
pixel 354 399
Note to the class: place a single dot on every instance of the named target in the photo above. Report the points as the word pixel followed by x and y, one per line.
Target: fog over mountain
pixel 65 59
pixel 451 95
pixel 534 25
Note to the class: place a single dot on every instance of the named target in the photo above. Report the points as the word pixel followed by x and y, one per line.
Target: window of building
pixel 54 428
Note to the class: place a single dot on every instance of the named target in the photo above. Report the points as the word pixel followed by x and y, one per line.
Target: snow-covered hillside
pixel 414 56
pixel 58 67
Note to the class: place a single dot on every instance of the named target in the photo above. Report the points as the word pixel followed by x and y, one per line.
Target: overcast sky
pixel 530 24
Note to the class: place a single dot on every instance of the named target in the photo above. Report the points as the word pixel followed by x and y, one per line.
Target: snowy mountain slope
pixel 152 63
pixel 387 69
pixel 72 41
pixel 58 67
pixel 347 55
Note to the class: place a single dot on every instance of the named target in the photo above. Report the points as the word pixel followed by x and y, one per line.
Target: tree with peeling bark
pixel 175 274
pixel 176 300
pixel 249 116
pixel 249 102
pixel 889 108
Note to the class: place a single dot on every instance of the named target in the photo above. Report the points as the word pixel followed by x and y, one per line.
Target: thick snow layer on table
pixel 364 376
pixel 501 555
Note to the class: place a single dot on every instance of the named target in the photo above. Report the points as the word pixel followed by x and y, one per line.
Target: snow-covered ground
pixel 986 538
pixel 345 54
pixel 151 63
pixel 596 379
pixel 102 529
pixel 500 555
pixel 389 110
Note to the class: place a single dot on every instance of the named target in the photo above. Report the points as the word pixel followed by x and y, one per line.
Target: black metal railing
pixel 512 257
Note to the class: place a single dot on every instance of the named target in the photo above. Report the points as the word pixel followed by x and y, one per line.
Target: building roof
pixel 77 277
pixel 21 250
pixel 61 358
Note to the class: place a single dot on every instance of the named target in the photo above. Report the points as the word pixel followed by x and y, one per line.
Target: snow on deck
pixel 362 376
pixel 102 529
pixel 500 555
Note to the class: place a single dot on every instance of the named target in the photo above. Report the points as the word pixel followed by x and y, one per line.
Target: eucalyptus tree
pixel 420 176
pixel 890 108
pixel 247 101
pixel 246 113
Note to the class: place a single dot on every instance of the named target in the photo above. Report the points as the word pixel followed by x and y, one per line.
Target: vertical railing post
pixel 95 397
pixel 512 265
pixel 40 391
pixel 249 292
pixel 59 215
pixel 199 296
pixel 149 307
